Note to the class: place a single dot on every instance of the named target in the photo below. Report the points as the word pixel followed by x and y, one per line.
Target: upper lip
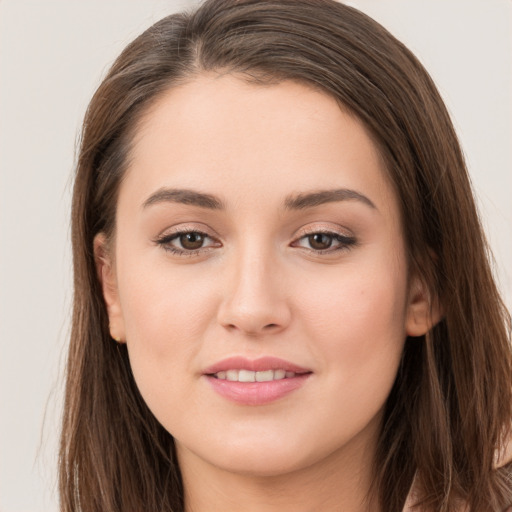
pixel 255 365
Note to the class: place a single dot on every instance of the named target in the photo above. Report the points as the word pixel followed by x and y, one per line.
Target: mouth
pixel 255 382
pixel 233 375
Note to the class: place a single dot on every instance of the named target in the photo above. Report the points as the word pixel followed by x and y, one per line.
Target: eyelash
pixel 165 241
pixel 345 242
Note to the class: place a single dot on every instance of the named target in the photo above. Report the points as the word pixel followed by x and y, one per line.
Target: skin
pixel 258 287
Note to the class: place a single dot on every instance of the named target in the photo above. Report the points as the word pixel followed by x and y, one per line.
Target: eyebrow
pixel 317 198
pixel 292 202
pixel 184 196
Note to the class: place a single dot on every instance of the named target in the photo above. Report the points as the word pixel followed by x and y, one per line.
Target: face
pixel 258 275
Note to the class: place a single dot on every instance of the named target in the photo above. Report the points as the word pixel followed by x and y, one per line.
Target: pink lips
pixel 255 365
pixel 255 393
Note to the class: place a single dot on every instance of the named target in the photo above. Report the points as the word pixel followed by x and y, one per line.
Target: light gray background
pixel 52 56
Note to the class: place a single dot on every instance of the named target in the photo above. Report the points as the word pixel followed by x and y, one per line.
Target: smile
pixel 255 382
pixel 252 376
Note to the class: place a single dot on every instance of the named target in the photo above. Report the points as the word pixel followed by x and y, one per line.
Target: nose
pixel 255 302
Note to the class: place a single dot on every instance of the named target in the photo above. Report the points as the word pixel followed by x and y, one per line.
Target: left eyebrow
pixel 184 196
pixel 317 198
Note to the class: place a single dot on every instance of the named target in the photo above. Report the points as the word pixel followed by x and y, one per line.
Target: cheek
pixel 357 323
pixel 165 315
pixel 160 305
pixel 356 328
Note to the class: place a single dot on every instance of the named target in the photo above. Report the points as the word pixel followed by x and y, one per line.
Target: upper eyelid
pixel 309 229
pixel 328 230
pixel 167 238
pixel 343 238
pixel 187 228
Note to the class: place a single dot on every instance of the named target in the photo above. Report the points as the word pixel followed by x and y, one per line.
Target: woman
pixel 273 220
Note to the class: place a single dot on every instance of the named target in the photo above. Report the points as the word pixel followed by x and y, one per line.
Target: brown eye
pixel 325 242
pixel 191 240
pixel 187 243
pixel 320 241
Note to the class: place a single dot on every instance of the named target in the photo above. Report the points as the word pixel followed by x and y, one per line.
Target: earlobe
pixel 106 274
pixel 423 311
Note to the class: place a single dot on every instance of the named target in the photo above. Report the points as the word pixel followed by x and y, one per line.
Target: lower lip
pixel 256 393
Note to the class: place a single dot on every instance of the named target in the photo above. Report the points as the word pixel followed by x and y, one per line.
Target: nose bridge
pixel 254 301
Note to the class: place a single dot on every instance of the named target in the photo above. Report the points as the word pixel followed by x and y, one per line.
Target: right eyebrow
pixel 184 196
pixel 318 197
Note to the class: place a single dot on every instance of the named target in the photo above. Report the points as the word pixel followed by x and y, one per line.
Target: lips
pixel 255 365
pixel 250 376
pixel 255 382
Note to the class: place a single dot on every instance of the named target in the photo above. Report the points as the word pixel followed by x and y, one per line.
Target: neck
pixel 340 481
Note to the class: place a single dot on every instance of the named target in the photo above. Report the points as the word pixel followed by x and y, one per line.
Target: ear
pixel 105 269
pixel 423 311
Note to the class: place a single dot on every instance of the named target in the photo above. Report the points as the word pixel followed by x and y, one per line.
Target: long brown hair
pixel 450 410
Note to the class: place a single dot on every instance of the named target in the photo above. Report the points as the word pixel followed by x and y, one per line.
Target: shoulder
pixel 503 458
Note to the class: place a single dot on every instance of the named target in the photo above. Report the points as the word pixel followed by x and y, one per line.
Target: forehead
pixel 221 133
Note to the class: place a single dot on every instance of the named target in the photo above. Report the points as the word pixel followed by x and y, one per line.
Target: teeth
pixel 246 376
pixel 250 376
pixel 231 375
pixel 264 376
pixel 280 374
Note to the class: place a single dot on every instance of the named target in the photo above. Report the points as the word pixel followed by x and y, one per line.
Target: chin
pixel 269 457
pixel 263 465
